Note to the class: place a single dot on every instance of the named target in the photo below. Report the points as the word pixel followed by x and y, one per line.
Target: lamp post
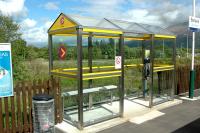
pixel 192 72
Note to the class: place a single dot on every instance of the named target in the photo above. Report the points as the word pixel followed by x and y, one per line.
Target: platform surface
pixel 131 110
pixel 183 118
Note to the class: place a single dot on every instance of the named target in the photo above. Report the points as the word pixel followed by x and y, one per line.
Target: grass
pixel 38 69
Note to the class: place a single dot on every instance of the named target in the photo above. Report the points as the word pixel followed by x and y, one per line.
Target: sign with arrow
pixel 62 52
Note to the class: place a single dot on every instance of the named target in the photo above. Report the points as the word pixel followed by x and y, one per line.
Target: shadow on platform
pixel 193 127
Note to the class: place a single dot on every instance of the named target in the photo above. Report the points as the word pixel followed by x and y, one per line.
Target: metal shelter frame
pixel 68 25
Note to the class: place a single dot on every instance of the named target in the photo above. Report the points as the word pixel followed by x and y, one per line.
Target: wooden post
pixel 13 114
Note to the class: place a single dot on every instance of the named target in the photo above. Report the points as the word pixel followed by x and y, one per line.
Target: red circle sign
pixel 118 60
pixel 62 52
pixel 62 20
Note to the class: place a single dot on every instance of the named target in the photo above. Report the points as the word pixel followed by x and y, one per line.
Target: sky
pixel 36 16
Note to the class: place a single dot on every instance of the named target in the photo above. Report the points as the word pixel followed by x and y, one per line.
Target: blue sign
pixel 6 77
pixel 193 29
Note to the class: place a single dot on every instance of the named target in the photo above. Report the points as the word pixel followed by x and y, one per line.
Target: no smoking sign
pixel 118 62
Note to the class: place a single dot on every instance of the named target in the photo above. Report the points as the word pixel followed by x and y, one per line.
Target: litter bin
pixel 43 114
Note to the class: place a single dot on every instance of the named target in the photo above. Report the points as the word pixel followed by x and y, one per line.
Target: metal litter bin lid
pixel 42 97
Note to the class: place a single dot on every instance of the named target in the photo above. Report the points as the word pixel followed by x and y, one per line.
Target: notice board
pixel 6 76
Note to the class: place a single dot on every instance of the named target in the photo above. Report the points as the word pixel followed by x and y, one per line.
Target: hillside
pixel 181 30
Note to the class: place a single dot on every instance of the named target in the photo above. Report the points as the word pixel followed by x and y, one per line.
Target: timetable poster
pixel 6 77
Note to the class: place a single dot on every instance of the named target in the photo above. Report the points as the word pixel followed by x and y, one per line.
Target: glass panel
pixel 129 26
pixel 68 86
pixel 155 29
pixel 85 21
pixel 119 24
pixel 101 97
pixel 134 87
pixel 93 22
pixel 106 24
pixel 71 52
pixel 70 98
pixel 137 29
pixel 122 24
pixel 163 75
pixel 103 102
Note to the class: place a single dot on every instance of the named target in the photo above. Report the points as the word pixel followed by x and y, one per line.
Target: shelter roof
pixel 67 24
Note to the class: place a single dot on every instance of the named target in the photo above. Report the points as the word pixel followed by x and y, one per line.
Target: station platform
pixel 133 108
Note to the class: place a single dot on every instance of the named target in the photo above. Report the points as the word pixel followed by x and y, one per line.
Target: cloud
pixel 101 8
pixel 28 23
pixel 13 7
pixel 36 35
pixel 170 13
pixel 51 6
pixel 48 24
pixel 142 16
pixel 157 12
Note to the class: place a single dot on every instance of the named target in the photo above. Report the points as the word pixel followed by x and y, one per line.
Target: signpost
pixel 118 62
pixel 62 52
pixel 6 77
pixel 194 25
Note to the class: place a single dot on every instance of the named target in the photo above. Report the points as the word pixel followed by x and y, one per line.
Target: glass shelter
pixel 88 109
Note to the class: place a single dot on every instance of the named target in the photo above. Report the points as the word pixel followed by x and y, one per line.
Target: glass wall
pixel 134 69
pixel 163 88
pixel 68 85
pixel 101 95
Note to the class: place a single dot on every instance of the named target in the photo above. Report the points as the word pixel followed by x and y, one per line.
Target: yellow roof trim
pixel 165 36
pixel 101 36
pixel 63 32
pixel 102 31
pixel 134 38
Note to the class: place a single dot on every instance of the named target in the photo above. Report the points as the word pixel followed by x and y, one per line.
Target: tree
pixel 33 53
pixel 9 32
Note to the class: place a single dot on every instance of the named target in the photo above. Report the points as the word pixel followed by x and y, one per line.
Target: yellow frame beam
pixel 102 31
pixel 165 36
pixel 160 70
pixel 99 73
pixel 156 66
pixel 117 75
pixel 106 74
